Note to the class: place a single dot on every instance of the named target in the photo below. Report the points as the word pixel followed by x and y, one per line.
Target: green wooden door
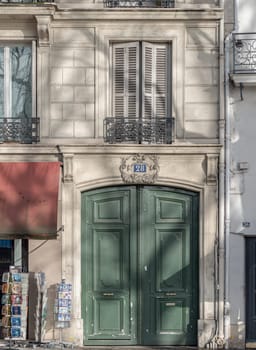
pixel 168 260
pixel 139 266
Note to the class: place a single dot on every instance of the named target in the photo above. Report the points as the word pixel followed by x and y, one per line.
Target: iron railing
pixel 244 53
pixel 139 3
pixel 24 1
pixel 146 131
pixel 21 130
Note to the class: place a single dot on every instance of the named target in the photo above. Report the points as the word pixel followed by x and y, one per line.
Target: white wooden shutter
pixel 125 80
pixel 148 80
pixel 155 80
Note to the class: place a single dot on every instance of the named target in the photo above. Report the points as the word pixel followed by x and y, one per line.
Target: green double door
pixel 139 266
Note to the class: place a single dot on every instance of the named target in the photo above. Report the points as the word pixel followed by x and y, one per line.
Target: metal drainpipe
pixel 228 42
pixel 219 332
pixel 227 192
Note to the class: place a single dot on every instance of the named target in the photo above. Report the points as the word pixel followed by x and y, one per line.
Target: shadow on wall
pixel 36 308
pixel 51 296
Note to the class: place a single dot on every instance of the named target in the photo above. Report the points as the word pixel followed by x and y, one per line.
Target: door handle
pixel 108 294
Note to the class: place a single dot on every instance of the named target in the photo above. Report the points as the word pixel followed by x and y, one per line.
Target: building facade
pixel 128 98
pixel 240 94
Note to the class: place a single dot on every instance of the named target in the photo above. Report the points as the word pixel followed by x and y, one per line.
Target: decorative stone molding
pixel 68 167
pixel 211 173
pixel 139 168
pixel 43 30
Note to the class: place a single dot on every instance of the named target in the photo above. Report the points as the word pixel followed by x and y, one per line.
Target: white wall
pixel 243 189
pixel 246 15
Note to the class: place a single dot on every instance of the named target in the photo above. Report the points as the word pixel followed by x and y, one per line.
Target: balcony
pixel 244 60
pixel 20 130
pixel 244 53
pixel 139 3
pixel 139 131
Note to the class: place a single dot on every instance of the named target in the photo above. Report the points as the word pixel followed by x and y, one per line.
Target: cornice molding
pixel 119 149
pixel 150 14
pixel 25 10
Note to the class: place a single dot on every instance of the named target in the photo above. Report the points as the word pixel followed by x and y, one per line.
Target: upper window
pixel 141 93
pixel 17 122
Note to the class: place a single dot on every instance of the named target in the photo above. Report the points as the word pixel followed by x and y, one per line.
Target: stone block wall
pixel 72 80
pixel 201 82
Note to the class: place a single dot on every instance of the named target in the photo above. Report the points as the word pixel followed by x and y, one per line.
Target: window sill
pixel 247 79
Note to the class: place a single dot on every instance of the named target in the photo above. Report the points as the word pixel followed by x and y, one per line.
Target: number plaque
pixel 139 168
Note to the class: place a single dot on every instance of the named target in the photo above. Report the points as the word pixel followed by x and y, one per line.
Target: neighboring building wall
pixel 229 17
pixel 246 16
pixel 243 176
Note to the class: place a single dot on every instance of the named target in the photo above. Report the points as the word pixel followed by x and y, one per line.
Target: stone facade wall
pixel 80 72
pixel 201 82
pixel 73 65
pixel 72 82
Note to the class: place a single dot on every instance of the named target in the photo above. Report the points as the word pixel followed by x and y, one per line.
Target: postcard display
pixel 63 304
pixel 14 304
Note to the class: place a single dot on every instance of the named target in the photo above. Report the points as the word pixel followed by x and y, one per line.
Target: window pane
pixel 5 243
pixel 1 82
pixel 21 61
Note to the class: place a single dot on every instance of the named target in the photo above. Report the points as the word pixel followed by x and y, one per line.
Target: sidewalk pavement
pixel 56 345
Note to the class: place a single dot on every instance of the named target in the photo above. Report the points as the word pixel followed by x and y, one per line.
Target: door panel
pixel 170 259
pixel 107 285
pixel 110 294
pixel 144 234
pixel 167 280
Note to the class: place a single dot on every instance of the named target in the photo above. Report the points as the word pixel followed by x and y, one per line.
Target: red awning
pixel 29 199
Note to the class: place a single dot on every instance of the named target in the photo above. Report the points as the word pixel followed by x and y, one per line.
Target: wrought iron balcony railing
pixel 146 131
pixel 244 53
pixel 139 3
pixel 21 130
pixel 24 1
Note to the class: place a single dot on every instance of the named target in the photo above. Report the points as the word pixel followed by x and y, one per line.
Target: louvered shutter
pixel 125 80
pixel 155 80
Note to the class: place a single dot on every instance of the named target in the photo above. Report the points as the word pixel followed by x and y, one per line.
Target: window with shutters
pixel 18 122
pixel 141 93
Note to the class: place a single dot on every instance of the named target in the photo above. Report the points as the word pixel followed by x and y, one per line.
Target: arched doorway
pixel 139 266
